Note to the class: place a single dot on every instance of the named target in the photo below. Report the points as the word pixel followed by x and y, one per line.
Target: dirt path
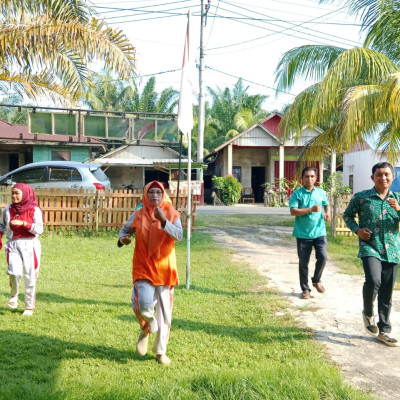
pixel 334 317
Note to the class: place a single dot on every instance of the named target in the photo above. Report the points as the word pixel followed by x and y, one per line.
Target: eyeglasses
pixel 158 192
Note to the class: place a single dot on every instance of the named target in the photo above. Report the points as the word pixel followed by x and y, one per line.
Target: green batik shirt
pixel 381 219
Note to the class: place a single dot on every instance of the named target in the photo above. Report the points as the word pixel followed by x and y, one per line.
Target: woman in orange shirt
pixel 157 226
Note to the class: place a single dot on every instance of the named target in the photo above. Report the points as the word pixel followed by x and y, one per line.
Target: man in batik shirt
pixel 378 213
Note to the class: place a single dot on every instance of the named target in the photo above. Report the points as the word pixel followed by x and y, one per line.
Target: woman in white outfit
pixel 22 221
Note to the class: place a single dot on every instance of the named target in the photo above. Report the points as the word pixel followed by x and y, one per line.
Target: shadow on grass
pixel 29 363
pixel 246 334
pixel 236 293
pixel 56 298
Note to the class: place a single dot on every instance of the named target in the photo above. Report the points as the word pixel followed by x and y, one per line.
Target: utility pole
pixel 200 133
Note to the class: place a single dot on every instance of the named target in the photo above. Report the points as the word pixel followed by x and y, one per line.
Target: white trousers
pixel 146 298
pixel 23 258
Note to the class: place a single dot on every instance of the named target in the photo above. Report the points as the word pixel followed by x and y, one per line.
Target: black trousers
pixel 304 249
pixel 380 277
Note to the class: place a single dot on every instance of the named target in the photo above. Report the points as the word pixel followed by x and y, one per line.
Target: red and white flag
pixel 188 87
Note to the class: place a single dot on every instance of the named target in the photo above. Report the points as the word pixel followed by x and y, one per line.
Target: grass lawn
pixel 227 339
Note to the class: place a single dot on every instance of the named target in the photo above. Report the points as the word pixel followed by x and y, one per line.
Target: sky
pixel 242 38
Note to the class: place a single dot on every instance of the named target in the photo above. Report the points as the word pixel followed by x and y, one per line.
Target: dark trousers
pixel 304 249
pixel 380 277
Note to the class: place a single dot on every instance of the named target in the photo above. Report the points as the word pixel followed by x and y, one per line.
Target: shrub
pixel 229 189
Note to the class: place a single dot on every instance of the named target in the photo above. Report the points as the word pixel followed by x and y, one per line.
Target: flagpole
pixel 185 124
pixel 189 209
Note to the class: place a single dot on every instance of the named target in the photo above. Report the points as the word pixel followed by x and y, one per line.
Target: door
pixel 257 179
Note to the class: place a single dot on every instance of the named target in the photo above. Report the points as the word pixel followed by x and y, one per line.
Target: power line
pixel 247 80
pixel 285 29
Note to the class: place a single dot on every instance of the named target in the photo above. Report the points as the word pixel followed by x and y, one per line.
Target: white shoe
pixel 141 345
pixel 28 313
pixel 12 303
pixel 163 359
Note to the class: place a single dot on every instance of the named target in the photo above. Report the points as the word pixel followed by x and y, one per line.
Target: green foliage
pixel 278 195
pixel 335 187
pixel 12 114
pixel 229 189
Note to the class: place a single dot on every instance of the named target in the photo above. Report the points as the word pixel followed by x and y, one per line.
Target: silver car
pixel 59 174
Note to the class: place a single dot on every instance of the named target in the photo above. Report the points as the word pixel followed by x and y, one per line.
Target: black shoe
pixel 370 325
pixel 385 338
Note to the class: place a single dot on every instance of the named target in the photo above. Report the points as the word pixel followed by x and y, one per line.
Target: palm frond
pixel 305 62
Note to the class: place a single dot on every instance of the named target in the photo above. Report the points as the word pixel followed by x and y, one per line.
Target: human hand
pixel 394 204
pixel 316 208
pixel 125 239
pixel 159 214
pixel 364 233
pixel 328 217
pixel 17 222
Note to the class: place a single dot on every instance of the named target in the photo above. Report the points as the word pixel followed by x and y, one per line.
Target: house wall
pixel 246 158
pixel 43 153
pixel 359 164
pixel 123 176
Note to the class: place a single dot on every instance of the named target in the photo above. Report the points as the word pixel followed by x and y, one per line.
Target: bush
pixel 229 189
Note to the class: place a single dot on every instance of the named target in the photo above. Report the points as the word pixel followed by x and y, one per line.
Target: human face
pixel 309 179
pixel 16 195
pixel 383 178
pixel 155 196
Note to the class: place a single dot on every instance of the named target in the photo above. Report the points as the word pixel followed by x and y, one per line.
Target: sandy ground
pixel 334 317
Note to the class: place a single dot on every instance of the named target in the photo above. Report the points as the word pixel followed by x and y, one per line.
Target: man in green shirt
pixel 378 213
pixel 309 228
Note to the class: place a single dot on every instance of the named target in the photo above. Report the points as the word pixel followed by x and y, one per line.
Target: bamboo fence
pixel 76 209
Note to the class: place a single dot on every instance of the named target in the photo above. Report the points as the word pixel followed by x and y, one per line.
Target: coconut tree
pixel 46 46
pixel 357 92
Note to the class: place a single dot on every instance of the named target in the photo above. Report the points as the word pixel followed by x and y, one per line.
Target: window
pixel 237 173
pixel 64 175
pixel 351 184
pixel 60 155
pixel 32 175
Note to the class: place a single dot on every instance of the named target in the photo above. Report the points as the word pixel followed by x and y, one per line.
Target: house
pixel 357 167
pixel 139 162
pixel 258 155
pixel 18 147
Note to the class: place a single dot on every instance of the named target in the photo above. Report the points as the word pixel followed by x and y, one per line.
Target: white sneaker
pixel 28 313
pixel 163 359
pixel 141 345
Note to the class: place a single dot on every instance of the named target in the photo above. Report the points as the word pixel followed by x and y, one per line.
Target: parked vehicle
pixel 59 174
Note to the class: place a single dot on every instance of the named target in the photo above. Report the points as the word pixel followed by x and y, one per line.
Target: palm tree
pixel 232 112
pixel 46 45
pixel 356 96
pixel 149 100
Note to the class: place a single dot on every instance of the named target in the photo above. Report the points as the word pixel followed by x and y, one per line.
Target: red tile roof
pixel 20 132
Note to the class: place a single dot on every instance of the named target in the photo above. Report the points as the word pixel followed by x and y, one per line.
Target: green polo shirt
pixel 381 219
pixel 312 225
